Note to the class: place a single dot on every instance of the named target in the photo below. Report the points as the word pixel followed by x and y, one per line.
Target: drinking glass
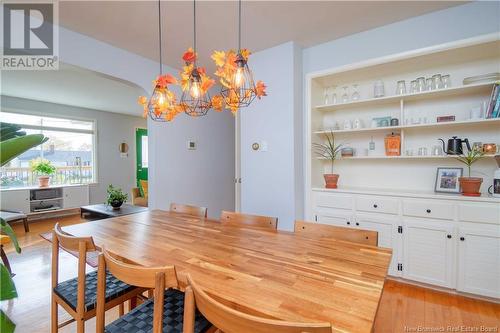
pixel 401 88
pixel 345 96
pixel 421 84
pixel 333 98
pixel 446 81
pixel 429 84
pixel 327 96
pixel 413 87
pixel 437 81
pixel 355 95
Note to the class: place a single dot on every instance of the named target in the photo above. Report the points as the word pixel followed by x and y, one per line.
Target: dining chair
pixel 78 296
pixel 247 220
pixel 318 230
pixel 189 210
pixel 228 320
pixel 163 313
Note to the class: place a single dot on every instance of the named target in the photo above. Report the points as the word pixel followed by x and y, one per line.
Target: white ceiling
pixel 74 86
pixel 133 25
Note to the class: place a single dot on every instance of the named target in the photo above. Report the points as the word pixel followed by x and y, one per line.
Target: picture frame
pixel 447 180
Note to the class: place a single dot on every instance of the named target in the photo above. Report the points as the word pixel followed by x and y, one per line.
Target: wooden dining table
pixel 272 274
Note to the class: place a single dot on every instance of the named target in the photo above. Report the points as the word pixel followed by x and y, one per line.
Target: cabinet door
pixel 337 218
pixel 16 200
pixel 387 229
pixel 428 251
pixel 75 196
pixel 479 260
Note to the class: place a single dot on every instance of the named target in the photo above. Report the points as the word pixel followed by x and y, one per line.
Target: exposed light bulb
pixel 239 77
pixel 161 100
pixel 195 90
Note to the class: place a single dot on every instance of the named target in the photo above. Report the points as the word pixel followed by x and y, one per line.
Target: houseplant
pixel 116 197
pixel 329 151
pixel 13 142
pixel 44 169
pixel 470 185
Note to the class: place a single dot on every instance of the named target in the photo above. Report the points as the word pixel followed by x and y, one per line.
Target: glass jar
pixel 437 81
pixel 401 87
pixel 446 81
pixel 421 84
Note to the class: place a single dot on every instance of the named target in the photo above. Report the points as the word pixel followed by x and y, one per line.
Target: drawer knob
pixel 428 211
pixel 375 206
pixel 348 222
pixel 462 238
pixel 449 236
pixel 357 223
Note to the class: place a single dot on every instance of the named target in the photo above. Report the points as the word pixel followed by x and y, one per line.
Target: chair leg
pixel 26 225
pixel 5 260
pixel 80 326
pixel 121 309
pixel 53 317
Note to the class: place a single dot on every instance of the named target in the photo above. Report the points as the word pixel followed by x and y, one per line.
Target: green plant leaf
pixel 14 147
pixel 6 229
pixel 7 287
pixel 6 325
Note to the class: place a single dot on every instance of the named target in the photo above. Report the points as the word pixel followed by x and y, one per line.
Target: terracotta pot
pixel 43 181
pixel 331 180
pixel 470 186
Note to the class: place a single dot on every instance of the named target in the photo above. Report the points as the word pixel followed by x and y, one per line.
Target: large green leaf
pixel 7 287
pixel 6 325
pixel 14 147
pixel 6 229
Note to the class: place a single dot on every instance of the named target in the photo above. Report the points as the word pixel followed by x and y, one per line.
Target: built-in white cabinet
pixel 479 260
pixel 443 240
pixel 74 196
pixel 16 200
pixel 428 248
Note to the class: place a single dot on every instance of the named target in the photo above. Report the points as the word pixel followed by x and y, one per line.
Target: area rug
pixel 91 256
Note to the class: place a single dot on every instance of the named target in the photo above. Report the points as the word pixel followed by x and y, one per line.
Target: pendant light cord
pixel 239 25
pixel 194 30
pixel 159 34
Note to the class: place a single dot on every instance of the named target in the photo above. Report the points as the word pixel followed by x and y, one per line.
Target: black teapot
pixel 455 146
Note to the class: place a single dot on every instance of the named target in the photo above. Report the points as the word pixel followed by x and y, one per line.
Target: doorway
pixel 141 145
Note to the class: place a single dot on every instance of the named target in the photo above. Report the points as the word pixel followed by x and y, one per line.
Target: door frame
pixel 237 162
pixel 137 153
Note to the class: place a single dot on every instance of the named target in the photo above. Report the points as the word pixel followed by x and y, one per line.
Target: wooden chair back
pixel 318 230
pixel 80 244
pixel 247 220
pixel 229 320
pixel 159 278
pixel 189 210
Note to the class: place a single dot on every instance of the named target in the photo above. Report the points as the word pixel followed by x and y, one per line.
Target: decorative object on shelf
pixel 378 89
pixel 381 121
pixel 116 197
pixel 477 145
pixel 437 150
pixel 493 109
pixel 495 188
pixel 392 145
pixel 421 85
pixel 446 81
pixel 489 148
pixel 333 97
pixel 437 82
pixel 355 95
pixel 394 122
pixel 347 124
pixel 238 87
pixel 161 106
pixel 429 84
pixel 490 77
pixel 413 87
pixel 330 152
pixel 371 147
pixel 401 87
pixel 345 95
pixel 358 123
pixel 422 151
pixel 327 96
pixel 44 169
pixel 447 180
pixel 347 152
pixel 442 119
pixel 455 146
pixel 470 185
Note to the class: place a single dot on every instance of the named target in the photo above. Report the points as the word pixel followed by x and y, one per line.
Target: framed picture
pixel 447 180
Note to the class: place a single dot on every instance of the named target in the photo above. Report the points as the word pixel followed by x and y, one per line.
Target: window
pixel 70 149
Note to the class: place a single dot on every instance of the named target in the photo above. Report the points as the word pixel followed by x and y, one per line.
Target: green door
pixel 141 144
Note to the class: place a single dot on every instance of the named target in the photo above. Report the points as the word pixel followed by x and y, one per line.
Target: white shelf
pixel 51 199
pixel 471 88
pixel 427 125
pixel 402 157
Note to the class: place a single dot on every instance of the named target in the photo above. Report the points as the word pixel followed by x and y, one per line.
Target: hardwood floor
pixel 403 307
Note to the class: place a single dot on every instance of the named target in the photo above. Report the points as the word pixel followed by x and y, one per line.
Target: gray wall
pixel 112 129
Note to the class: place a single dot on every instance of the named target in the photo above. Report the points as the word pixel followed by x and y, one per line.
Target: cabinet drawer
pixel 427 208
pixel 479 212
pixel 334 201
pixel 377 204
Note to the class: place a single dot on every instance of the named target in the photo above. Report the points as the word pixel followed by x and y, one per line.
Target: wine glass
pixel 345 96
pixel 326 95
pixel 333 99
pixel 355 94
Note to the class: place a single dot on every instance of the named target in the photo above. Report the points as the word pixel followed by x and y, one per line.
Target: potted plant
pixel 44 169
pixel 470 185
pixel 116 197
pixel 329 151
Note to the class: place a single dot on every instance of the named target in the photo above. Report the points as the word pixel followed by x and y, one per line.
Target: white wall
pixel 112 129
pixel 269 178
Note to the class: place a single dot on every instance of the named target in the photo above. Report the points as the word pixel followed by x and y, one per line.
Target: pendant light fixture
pixel 241 90
pixel 195 100
pixel 161 106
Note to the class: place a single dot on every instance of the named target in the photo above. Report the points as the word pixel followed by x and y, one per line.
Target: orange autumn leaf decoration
pixel 260 89
pixel 189 56
pixel 217 103
pixel 164 80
